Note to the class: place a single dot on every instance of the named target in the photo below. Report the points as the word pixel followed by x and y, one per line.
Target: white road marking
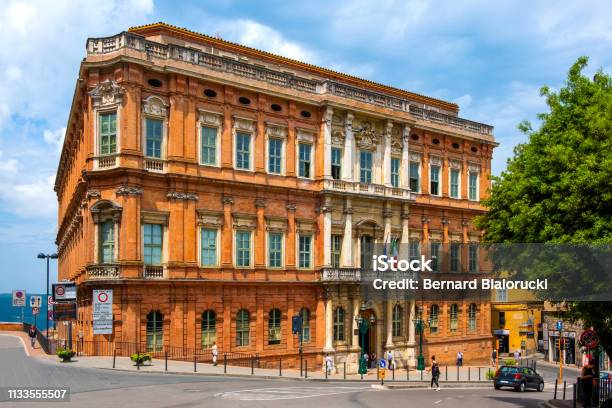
pixel 438 401
pixel 271 394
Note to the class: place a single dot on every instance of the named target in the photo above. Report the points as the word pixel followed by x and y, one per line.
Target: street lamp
pixel 419 325
pixel 47 257
pixel 363 324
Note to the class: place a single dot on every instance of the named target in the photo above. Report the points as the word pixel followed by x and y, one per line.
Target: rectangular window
pixel 305 251
pixel 473 257
pixel 275 252
pixel 336 250
pixel 107 242
pixel 415 250
pixel 455 256
pixel 209 247
pixel 305 151
pixel 415 179
pixel 243 151
pixel 154 137
pixel 501 295
pixel 365 167
pixel 435 255
pixel 275 155
pixel 108 133
pixel 454 183
pixel 243 249
pixel 434 180
pixel 336 163
pixel 209 145
pixel 395 172
pixel 152 244
pixel 473 186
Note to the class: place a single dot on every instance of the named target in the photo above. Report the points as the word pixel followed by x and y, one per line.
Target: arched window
pixel 242 328
pixel 339 324
pixel 472 317
pixel 274 326
pixel 305 314
pixel 155 331
pixel 454 318
pixel 209 328
pixel 434 312
pixel 397 321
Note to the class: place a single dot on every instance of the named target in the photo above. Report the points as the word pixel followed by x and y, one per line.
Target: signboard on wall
pixel 64 292
pixel 19 298
pixel 103 311
pixel 64 311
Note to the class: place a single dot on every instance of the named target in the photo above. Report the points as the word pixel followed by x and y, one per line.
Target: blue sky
pixel 491 57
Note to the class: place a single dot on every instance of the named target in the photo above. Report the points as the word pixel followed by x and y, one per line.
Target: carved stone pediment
pixel 455 164
pixel 210 219
pixel 154 106
pixel 276 224
pixel 473 167
pixel 154 217
pixel 415 157
pixel 244 221
pixel 415 235
pixel 366 136
pixel 107 93
pixel 338 137
pixel 396 144
pixel 210 118
pixel 304 135
pixel 305 226
pixel 244 124
pixel 276 131
pixel 435 160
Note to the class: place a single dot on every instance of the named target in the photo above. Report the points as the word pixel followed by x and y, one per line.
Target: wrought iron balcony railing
pixel 340 275
pixel 103 271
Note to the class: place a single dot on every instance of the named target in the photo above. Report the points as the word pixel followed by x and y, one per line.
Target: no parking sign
pixel 103 311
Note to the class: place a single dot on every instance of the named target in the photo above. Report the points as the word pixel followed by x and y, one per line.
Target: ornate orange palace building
pixel 220 190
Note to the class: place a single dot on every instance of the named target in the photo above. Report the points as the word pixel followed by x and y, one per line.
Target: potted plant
pixel 510 361
pixel 140 358
pixel 65 354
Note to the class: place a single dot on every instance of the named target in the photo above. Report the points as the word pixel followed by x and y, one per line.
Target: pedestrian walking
pixel 459 358
pixel 517 356
pixel 373 360
pixel 329 364
pixel 215 353
pixel 366 356
pixel 32 333
pixel 435 373
pixel 587 381
pixel 389 358
pixel 494 357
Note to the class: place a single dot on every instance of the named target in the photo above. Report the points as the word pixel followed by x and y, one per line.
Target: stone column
pixel 226 235
pixel 329 326
pixel 387 154
pixel 405 240
pixel 389 325
pixel 411 328
pixel 387 214
pixel 405 173
pixel 326 126
pixel 346 256
pixel 354 325
pixel 348 159
pixel 326 209
pixel 260 233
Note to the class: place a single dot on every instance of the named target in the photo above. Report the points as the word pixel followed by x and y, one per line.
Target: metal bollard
pixel 224 363
pixel 469 374
pixel 421 375
pixel 326 368
pixel 195 369
pixel 166 360
pixel 305 368
pixel 445 373
pixel 564 385
pixel 114 357
pixel 407 372
pixel 345 370
pixel 457 373
pixel 252 365
pixel 556 381
pixel 478 373
pixel 280 366
pixel 574 392
pixel 393 372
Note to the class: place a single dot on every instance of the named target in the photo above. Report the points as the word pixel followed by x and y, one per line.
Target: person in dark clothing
pixel 32 333
pixel 587 378
pixel 435 373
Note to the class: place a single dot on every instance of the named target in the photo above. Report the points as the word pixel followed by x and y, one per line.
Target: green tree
pixel 558 186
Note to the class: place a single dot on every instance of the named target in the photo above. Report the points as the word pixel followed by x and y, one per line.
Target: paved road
pixel 96 387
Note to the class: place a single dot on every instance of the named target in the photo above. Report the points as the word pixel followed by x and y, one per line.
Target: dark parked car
pixel 519 378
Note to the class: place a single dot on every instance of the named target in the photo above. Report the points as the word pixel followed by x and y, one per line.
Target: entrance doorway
pixel 368 342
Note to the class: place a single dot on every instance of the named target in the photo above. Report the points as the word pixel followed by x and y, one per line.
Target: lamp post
pixel 363 324
pixel 47 257
pixel 419 326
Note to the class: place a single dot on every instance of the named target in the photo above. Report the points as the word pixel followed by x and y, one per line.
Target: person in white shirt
pixel 389 359
pixel 215 353
pixel 329 364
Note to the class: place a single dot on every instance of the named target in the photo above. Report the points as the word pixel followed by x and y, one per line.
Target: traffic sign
pixel 64 292
pixel 382 364
pixel 35 310
pixel 19 298
pixel 559 325
pixel 50 314
pixel 103 311
pixel 589 339
pixel 50 300
pixel 296 324
pixel 35 301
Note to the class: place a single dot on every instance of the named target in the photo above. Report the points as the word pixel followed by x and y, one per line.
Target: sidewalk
pixel 37 351
pixel 464 375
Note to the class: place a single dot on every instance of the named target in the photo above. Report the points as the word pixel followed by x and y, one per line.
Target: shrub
pixel 490 374
pixel 65 353
pixel 140 358
pixel 510 362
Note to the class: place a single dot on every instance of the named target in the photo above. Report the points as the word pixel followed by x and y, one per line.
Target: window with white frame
pixel 107 242
pixel 454 183
pixel 154 135
pixel 336 250
pixel 208 145
pixel 208 243
pixel 434 180
pixel 152 242
pixel 435 255
pixel 275 156
pixel 275 250
pixel 455 256
pixel 336 163
pixel 395 171
pixel 243 249
pixel 473 186
pixel 107 133
pixel 305 160
pixel 305 251
pixel 415 176
pixel 365 167
pixel 243 151
pixel 473 257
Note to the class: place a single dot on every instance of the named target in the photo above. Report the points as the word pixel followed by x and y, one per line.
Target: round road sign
pixel 589 339
pixel 102 297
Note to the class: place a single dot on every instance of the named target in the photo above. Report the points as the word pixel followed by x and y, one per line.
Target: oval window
pixel 436 141
pixel 474 149
pixel 414 137
pixel 210 93
pixel 305 114
pixel 276 107
pixel 455 145
pixel 155 82
pixel 244 100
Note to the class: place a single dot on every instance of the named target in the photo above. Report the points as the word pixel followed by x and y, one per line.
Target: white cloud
pixel 8 167
pixel 55 137
pixel 34 199
pixel 463 101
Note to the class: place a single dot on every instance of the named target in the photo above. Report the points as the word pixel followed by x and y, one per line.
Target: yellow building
pixel 516 316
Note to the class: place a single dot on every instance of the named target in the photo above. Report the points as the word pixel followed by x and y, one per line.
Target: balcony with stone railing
pixel 375 190
pixel 154 165
pixel 153 272
pixel 103 272
pixel 208 58
pixel 105 162
pixel 340 275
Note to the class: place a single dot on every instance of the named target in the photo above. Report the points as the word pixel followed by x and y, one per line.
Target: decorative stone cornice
pixel 154 106
pixel 210 118
pixel 107 93
pixel 93 194
pixel 415 156
pixel 291 207
pixel 276 131
pixel 445 221
pixel 178 195
pixel 128 190
pixel 260 202
pixel 227 200
pixel 454 164
pixel 425 219
pixel 473 167
pixel 435 160
pixel 244 124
